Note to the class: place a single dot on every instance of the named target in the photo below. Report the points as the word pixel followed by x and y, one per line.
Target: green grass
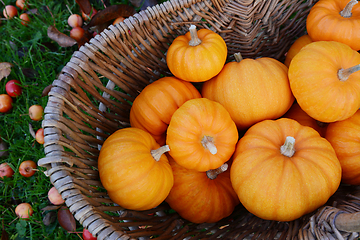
pixel 36 62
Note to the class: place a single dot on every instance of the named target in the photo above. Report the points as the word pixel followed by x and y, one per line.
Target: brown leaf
pixel 62 39
pixel 3 149
pixel 5 69
pixel 85 6
pixel 4 234
pixel 51 207
pixel 46 90
pixel 29 72
pixel 110 13
pixel 49 218
pixel 66 219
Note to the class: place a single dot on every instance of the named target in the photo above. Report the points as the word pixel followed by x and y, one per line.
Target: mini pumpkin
pixel 296 47
pixel 282 170
pixel 324 79
pixel 201 135
pixel 197 56
pixel 335 20
pixel 134 170
pixel 152 109
pixel 296 113
pixel 344 136
pixel 251 90
pixel 201 197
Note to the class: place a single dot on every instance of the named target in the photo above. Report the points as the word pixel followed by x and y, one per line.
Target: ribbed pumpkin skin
pixel 344 136
pixel 197 63
pixel 316 86
pixel 190 123
pixel 324 23
pixel 273 186
pixel 251 90
pixel 296 47
pixel 154 106
pixel 199 199
pixel 296 113
pixel 129 173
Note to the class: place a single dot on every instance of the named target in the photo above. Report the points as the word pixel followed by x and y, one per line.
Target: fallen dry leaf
pixel 85 6
pixel 66 219
pixel 46 90
pixel 5 69
pixel 110 13
pixel 62 39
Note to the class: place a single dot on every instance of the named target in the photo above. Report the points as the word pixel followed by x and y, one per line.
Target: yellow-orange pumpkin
pixel 296 47
pixel 197 56
pixel 282 170
pixel 335 20
pixel 344 136
pixel 251 90
pixel 154 106
pixel 201 135
pixel 134 170
pixel 202 197
pixel 325 82
pixel 296 113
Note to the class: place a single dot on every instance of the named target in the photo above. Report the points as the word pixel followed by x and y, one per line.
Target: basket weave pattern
pixel 92 96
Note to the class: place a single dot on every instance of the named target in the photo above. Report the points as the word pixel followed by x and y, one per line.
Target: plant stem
pixel 238 57
pixel 213 173
pixel 343 74
pixel 157 153
pixel 195 40
pixel 288 149
pixel 208 143
pixel 346 12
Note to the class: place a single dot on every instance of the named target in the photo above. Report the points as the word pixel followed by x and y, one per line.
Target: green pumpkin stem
pixel 346 12
pixel 208 143
pixel 238 57
pixel 157 153
pixel 213 173
pixel 343 74
pixel 288 149
pixel 195 40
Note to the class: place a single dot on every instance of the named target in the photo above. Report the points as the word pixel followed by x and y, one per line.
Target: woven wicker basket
pixel 91 98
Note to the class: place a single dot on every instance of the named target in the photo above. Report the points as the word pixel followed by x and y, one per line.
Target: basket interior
pixel 92 97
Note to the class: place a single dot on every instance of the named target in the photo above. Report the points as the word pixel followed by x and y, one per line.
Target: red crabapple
pixel 10 11
pixel 74 20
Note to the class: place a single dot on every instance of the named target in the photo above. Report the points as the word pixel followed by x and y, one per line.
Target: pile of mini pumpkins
pixel 277 138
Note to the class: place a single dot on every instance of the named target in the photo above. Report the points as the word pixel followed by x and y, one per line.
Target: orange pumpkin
pixel 324 80
pixel 282 170
pixel 201 135
pixel 201 197
pixel 154 106
pixel 134 170
pixel 335 20
pixel 296 47
pixel 296 113
pixel 344 136
pixel 197 56
pixel 251 90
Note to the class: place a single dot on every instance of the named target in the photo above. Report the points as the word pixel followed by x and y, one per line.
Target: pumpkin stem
pixel 288 149
pixel 343 74
pixel 157 153
pixel 195 40
pixel 208 143
pixel 346 12
pixel 213 173
pixel 238 57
